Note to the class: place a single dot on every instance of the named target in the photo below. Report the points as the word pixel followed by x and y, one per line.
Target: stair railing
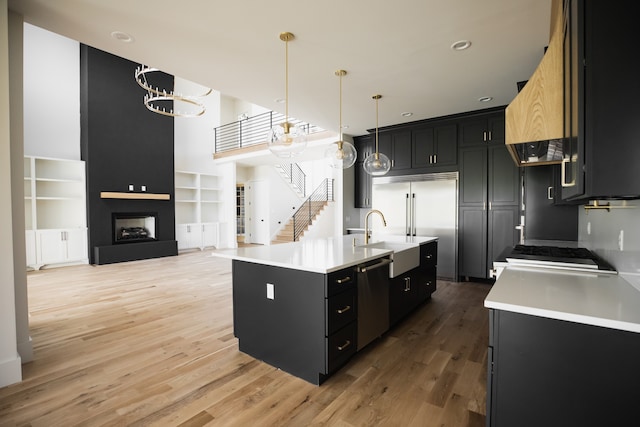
pixel 295 176
pixel 310 208
pixel 252 131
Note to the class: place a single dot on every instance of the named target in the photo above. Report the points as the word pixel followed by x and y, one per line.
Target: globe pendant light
pixel 287 140
pixel 341 155
pixel 376 164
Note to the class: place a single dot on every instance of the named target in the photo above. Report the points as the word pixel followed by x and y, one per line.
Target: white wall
pixel 599 231
pixel 194 136
pixel 281 200
pixel 10 363
pixel 51 94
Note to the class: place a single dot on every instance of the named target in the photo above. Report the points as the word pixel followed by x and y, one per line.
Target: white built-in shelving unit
pixel 198 198
pixel 55 211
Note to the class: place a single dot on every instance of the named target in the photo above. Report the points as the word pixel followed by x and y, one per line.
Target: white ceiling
pixel 400 49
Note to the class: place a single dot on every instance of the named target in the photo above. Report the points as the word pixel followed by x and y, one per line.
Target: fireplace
pixel 134 227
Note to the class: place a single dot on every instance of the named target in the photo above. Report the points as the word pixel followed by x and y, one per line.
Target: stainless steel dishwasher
pixel 373 300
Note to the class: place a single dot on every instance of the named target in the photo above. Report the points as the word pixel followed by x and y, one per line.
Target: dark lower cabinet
pixel 547 372
pixel 414 287
pixel 302 322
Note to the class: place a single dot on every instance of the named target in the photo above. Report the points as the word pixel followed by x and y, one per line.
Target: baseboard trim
pixel 25 350
pixel 10 371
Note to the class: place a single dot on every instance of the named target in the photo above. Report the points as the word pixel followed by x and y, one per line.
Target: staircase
pixel 307 213
pixel 294 176
pixel 287 234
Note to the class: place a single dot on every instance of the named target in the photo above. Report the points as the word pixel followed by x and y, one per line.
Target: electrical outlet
pixel 621 240
pixel 270 291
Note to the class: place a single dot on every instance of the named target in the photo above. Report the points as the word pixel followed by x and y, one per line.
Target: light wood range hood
pixel 534 119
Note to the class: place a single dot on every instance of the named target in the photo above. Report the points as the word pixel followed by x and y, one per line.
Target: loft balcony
pixel 249 136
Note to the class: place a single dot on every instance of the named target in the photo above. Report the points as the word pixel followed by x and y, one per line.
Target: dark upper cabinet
pixel 397 146
pixel 435 147
pixel 503 179
pixel 473 177
pixel 601 101
pixel 482 130
pixel 362 193
pixel 401 143
pixel 545 219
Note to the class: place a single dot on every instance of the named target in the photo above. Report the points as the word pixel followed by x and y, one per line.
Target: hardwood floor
pixel 151 343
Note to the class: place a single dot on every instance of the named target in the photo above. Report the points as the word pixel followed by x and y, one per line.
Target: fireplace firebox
pixel 134 227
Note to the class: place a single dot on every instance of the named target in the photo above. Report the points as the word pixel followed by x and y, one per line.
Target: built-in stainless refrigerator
pixel 421 205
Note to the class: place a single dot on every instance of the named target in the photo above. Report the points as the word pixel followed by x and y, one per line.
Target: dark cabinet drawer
pixel 341 346
pixel 429 254
pixel 340 281
pixel 341 310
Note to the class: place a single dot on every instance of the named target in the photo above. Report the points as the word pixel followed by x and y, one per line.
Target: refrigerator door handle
pixel 407 216
pixel 413 214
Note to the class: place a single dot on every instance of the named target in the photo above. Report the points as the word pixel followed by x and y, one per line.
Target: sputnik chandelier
pixel 156 97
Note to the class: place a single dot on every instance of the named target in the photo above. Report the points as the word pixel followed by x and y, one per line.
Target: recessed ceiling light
pixel 121 36
pixel 279 101
pixel 485 98
pixel 406 114
pixel 461 45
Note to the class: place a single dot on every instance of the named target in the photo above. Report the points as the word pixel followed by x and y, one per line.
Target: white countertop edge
pixel 272 254
pixel 570 317
pixel 380 253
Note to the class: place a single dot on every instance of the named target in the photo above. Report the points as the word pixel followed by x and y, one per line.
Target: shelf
pixel 137 196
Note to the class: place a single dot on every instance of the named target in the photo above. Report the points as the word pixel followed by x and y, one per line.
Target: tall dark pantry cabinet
pixel 489 197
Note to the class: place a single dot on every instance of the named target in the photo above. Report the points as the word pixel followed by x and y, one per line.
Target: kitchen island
pixel 563 349
pixel 307 307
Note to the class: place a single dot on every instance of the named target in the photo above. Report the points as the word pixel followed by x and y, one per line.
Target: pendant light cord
pixel 286 80
pixel 377 97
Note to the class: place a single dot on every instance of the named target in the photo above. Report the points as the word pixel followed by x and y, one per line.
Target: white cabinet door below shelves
pixel 209 234
pixel 57 246
pixel 76 244
pixel 51 246
pixel 189 236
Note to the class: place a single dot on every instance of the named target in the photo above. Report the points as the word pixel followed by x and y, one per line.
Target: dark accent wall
pixel 123 143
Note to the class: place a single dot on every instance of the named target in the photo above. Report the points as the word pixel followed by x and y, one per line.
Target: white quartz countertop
pixel 322 255
pixel 606 300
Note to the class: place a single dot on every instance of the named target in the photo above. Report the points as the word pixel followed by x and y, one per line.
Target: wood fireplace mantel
pixel 139 196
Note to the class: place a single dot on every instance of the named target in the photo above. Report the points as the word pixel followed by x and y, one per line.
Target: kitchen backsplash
pixel 614 235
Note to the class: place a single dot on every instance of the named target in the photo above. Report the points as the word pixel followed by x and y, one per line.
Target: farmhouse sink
pixel 405 256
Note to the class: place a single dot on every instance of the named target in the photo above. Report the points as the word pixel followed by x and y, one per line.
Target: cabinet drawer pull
pixel 345 345
pixel 429 256
pixel 407 284
pixel 343 280
pixel 343 310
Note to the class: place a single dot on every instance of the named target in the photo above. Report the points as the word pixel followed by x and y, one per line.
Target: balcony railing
pixel 252 131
